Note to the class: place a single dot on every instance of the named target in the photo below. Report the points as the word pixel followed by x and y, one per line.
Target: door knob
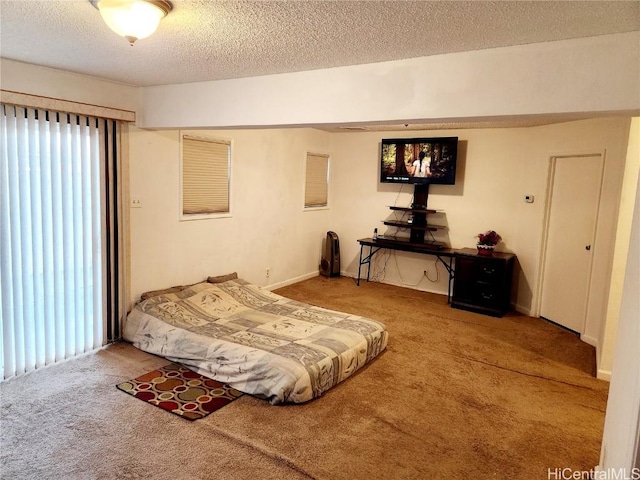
pixel 587 247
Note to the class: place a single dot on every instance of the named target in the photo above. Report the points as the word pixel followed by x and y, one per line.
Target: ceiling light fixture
pixel 133 19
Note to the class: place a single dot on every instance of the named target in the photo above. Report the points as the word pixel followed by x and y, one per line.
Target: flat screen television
pixel 419 160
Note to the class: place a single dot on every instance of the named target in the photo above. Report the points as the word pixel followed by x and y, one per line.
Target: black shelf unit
pixel 419 212
pixel 401 224
pixel 409 209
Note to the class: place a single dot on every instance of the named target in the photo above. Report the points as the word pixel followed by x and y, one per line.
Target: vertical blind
pixel 205 175
pixel 316 180
pixel 51 237
pixel 113 222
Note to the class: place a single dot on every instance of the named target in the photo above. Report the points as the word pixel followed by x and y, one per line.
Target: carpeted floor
pixel 456 395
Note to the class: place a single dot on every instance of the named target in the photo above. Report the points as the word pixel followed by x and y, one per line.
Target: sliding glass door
pixel 55 236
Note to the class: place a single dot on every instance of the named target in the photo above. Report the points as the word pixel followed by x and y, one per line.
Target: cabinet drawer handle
pixel 487 296
pixel 490 271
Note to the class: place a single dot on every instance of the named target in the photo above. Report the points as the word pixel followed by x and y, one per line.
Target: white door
pixel 572 214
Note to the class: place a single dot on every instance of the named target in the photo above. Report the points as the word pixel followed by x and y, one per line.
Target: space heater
pixel 330 263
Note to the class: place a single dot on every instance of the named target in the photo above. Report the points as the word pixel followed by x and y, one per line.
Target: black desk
pixel 405 246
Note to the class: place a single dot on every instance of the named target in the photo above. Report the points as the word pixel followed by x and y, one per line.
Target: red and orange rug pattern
pixel 181 391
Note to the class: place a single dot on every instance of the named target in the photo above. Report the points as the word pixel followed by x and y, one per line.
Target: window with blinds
pixel 316 181
pixel 205 175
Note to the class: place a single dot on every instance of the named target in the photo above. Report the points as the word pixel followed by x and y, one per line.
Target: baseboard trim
pixel 600 373
pixel 590 340
pixel 520 309
pixel 395 284
pixel 291 281
pixel 516 307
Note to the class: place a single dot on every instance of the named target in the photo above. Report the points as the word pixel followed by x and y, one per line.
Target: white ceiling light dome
pixel 133 19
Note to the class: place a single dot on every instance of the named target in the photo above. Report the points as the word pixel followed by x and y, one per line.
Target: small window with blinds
pixel 316 187
pixel 206 164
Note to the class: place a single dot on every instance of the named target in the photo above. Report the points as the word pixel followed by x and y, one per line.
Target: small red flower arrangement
pixel 490 237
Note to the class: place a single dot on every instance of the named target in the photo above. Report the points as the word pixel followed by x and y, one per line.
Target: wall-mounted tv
pixel 419 160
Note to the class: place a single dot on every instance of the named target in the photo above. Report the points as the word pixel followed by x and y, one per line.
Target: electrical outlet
pixel 136 203
pixel 528 198
pixel 267 272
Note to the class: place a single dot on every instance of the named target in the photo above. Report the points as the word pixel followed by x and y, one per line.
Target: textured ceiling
pixel 209 40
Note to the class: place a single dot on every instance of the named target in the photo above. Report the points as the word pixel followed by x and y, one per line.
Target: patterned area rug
pixel 179 390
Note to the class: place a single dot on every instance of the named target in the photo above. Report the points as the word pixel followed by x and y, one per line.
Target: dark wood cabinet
pixel 482 283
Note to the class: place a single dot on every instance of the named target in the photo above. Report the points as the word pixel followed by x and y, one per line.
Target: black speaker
pixel 330 263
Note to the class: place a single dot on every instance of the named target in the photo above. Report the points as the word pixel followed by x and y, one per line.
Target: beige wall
pixel 497 168
pixel 621 440
pixel 588 76
pixel 267 229
pixel 49 82
pixel 358 200
pixel 621 253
